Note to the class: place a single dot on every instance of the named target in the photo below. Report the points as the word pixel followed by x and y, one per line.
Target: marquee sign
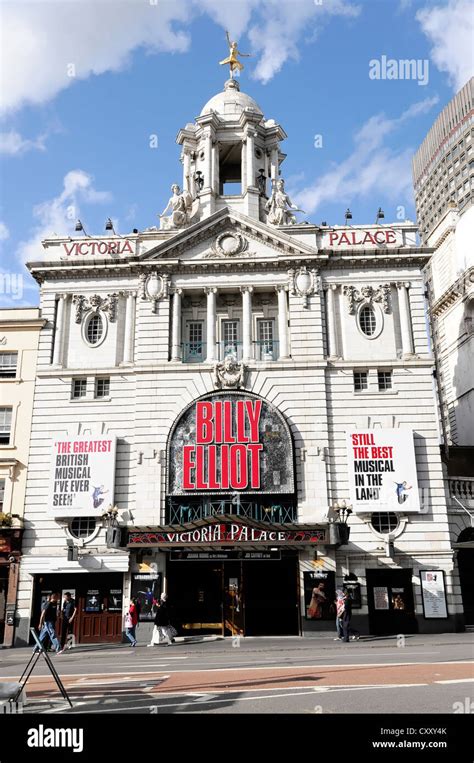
pixel 382 470
pixel 226 533
pixel 230 442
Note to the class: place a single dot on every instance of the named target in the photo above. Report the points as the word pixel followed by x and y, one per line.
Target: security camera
pixel 12 559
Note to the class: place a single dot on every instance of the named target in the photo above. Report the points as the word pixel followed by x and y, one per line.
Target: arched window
pixel 94 329
pixel 367 320
pixel 384 522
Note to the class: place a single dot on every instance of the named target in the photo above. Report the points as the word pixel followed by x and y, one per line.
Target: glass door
pixel 230 339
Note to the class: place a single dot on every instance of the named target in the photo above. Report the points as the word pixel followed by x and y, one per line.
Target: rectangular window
pixel 2 494
pixel 194 347
pixel 5 425
pixel 360 381
pixel 79 388
pixel 230 339
pixel 8 364
pixel 385 380
pixel 266 339
pixel 102 387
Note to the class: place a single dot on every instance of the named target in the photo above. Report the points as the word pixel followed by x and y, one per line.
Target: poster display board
pixel 433 594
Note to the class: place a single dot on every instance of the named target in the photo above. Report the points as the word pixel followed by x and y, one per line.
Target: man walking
pixel 346 615
pixel 69 613
pixel 47 623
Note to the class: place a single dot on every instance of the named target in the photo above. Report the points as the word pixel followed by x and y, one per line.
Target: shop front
pixel 98 598
pixel 231 576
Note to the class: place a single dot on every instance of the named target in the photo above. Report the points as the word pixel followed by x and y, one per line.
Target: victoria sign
pixel 230 442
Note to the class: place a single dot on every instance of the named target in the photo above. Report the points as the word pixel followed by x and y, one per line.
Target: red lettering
pixel 228 436
pixel 344 239
pixel 113 247
pixel 79 247
pixel 127 247
pixel 225 467
pixel 368 238
pixel 188 466
pixel 333 238
pixel 72 247
pixel 212 468
pixel 254 409
pixel 254 451
pixel 200 478
pixel 377 235
pixel 238 467
pixel 203 422
pixel 102 247
pixel 240 413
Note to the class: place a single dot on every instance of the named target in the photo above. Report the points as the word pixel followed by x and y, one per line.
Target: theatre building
pixel 236 408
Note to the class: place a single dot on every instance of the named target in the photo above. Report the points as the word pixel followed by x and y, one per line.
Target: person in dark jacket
pixel 161 630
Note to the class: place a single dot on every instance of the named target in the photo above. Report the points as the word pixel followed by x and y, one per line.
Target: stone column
pixel 211 324
pixel 187 184
pixel 247 321
pixel 243 168
pixel 250 160
pixel 405 319
pixel 59 331
pixel 176 326
pixel 284 352
pixel 274 163
pixel 331 318
pixel 129 333
pixel 215 165
pixel 208 160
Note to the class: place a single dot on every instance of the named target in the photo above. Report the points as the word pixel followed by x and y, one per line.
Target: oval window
pixel 367 320
pixel 94 329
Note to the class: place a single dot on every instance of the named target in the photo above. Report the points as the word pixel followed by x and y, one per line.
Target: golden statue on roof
pixel 232 59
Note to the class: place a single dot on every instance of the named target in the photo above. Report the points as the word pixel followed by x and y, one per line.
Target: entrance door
pixel 3 598
pixel 195 594
pixel 391 603
pixel 234 621
pixel 271 597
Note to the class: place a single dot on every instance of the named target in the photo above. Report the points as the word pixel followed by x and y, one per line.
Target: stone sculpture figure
pixel 279 206
pixel 183 209
pixel 229 374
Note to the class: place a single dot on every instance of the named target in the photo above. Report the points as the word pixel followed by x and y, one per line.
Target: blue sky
pixel 79 146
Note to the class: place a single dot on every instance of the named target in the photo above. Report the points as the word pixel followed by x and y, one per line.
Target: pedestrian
pixel 346 619
pixel 47 623
pixel 339 615
pixel 162 629
pixel 131 622
pixel 69 613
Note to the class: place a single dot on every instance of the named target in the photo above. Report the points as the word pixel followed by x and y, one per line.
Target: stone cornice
pixel 33 323
pixel 459 289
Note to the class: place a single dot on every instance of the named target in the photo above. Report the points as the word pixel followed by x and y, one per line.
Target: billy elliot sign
pixel 382 470
pixel 229 442
pixel 227 533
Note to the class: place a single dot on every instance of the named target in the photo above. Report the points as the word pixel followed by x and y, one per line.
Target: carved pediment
pixel 228 236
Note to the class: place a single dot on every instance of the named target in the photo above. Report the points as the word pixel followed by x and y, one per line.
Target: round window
pixel 367 320
pixel 384 522
pixel 94 329
pixel 82 527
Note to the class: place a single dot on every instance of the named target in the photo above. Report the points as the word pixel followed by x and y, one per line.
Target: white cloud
pixel 372 168
pixel 47 46
pixel 4 232
pixel 58 216
pixel 450 28
pixel 12 144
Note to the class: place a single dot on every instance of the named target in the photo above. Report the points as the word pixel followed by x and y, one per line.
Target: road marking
pixel 456 681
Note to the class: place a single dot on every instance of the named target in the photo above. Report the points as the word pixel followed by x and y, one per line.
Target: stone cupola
pixel 230 153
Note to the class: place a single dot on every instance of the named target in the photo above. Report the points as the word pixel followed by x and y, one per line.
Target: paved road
pixel 264 675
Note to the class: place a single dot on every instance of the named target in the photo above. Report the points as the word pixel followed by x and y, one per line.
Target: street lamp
pixel 380 215
pixel 348 215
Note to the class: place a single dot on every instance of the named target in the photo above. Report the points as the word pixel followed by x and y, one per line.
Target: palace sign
pixel 227 533
pixel 90 246
pixel 377 237
pixel 230 442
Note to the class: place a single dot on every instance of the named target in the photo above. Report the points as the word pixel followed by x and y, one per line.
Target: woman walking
pixel 131 622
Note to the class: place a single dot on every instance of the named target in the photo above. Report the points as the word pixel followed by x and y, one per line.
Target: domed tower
pixel 230 153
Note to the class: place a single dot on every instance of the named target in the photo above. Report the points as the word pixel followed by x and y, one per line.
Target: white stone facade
pixel 177 302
